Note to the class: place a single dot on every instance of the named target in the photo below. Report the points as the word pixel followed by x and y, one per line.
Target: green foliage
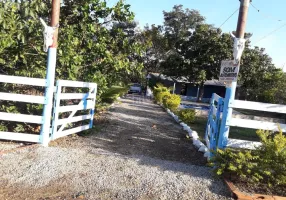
pixel 97 43
pixel 160 96
pixel 111 94
pixel 273 157
pixel 265 165
pixel 160 91
pixel 185 46
pixel 171 101
pixel 187 115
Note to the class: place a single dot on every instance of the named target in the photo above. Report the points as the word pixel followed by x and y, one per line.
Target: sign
pixel 228 71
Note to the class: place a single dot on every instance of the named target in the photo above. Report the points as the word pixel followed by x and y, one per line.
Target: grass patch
pixel 261 113
pixel 200 124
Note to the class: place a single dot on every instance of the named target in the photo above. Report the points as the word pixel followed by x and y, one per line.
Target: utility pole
pixel 230 91
pixel 50 76
pixel 242 18
pixel 56 5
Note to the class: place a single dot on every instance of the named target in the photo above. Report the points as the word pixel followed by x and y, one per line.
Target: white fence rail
pixel 255 124
pixel 23 80
pixel 251 105
pixel 87 103
pixel 15 117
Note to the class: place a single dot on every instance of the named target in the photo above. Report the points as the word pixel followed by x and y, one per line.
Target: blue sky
pixel 217 11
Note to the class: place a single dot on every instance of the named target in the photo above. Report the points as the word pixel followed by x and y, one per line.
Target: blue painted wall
pixel 210 89
pixel 192 90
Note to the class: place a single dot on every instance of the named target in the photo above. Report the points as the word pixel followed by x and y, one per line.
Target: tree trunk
pixel 201 91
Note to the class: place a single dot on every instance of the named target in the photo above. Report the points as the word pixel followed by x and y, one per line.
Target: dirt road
pixel 138 152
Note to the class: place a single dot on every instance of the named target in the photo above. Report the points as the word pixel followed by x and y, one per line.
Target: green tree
pixel 179 23
pixel 156 48
pixel 199 57
pixel 91 47
pixel 258 75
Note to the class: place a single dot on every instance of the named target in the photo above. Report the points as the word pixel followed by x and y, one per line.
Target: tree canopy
pixel 104 44
pixel 191 48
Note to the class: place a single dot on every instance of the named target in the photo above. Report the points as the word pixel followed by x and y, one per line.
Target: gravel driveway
pixel 138 152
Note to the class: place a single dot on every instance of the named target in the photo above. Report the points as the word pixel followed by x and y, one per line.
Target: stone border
pixel 193 134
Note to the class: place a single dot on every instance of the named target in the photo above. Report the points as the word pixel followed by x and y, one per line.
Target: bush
pixel 187 115
pixel 161 96
pixel 159 92
pixel 266 164
pixel 171 101
pixel 111 94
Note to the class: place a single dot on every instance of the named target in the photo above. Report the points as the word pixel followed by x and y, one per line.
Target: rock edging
pixel 193 134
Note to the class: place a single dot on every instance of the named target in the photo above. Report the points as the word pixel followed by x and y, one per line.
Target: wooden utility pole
pixel 242 18
pixel 56 4
pixel 230 91
pixel 50 76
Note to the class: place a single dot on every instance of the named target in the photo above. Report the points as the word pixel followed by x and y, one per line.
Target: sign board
pixel 228 71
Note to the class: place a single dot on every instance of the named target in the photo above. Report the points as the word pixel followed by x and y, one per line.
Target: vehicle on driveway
pixel 135 88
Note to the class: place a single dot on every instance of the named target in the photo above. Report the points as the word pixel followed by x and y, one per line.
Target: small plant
pixel 172 101
pixel 187 115
pixel 272 157
pixel 161 96
pixel 113 93
pixel 266 164
pixel 160 92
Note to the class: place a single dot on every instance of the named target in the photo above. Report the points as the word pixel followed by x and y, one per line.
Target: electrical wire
pixel 272 32
pixel 269 17
pixel 229 18
pixel 266 16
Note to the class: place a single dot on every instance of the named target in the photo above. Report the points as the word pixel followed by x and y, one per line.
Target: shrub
pixel 171 101
pixel 272 157
pixel 187 115
pixel 266 164
pixel 111 94
pixel 159 92
pixel 161 96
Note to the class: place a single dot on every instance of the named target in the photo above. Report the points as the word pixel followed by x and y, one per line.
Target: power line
pixel 272 32
pixel 269 17
pixel 229 17
pixel 266 16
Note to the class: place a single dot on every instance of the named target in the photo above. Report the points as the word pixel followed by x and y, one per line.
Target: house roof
pixel 183 79
pixel 214 82
pixel 164 77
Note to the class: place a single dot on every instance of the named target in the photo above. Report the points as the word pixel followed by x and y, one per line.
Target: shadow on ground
pixel 139 129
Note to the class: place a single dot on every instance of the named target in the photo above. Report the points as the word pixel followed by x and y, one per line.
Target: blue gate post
pixel 226 116
pixel 218 120
pixel 51 43
pixel 47 113
pixel 207 134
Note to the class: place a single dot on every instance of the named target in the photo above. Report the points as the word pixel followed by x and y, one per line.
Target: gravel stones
pixel 127 159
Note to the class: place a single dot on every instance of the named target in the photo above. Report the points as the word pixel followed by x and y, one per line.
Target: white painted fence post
pixel 92 110
pixel 47 113
pixel 55 112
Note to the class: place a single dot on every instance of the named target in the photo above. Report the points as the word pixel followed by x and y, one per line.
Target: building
pixel 185 88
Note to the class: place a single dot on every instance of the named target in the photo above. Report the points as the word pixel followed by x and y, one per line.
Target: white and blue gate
pixel 213 123
pixel 87 102
pixel 48 132
pixel 220 120
pixel 17 117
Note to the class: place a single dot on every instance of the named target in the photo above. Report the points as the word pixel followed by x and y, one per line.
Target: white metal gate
pixel 87 102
